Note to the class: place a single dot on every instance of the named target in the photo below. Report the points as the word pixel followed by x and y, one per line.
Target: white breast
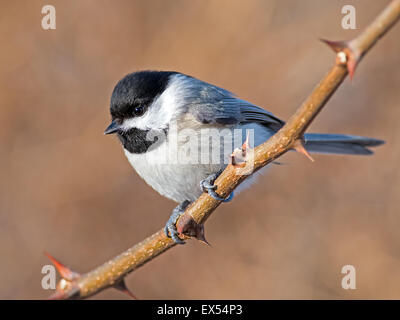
pixel 170 169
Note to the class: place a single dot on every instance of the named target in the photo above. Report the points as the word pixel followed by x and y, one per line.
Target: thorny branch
pixel 112 273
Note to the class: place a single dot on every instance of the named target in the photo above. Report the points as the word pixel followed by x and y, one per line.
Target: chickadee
pixel 152 113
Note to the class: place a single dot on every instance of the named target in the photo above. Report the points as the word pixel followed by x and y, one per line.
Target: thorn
pixel 335 45
pixel 238 156
pixel 345 54
pixel 62 269
pixel 246 144
pixel 121 286
pixel 351 66
pixel 187 226
pixel 201 237
pixel 299 147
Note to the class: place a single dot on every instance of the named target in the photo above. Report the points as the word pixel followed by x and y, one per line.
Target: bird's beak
pixel 112 128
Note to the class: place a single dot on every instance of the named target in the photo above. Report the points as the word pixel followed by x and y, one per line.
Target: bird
pixel 178 133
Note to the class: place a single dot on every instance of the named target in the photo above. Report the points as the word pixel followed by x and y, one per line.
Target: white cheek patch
pixel 163 109
pixel 152 119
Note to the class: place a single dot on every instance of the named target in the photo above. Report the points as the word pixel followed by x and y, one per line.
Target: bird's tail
pixel 340 143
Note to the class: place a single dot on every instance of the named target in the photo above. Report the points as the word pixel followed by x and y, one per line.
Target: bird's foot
pixel 170 227
pixel 208 186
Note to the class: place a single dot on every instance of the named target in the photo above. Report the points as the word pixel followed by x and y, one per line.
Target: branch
pixel 113 272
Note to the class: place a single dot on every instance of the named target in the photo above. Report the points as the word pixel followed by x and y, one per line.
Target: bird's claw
pixel 171 232
pixel 170 227
pixel 208 186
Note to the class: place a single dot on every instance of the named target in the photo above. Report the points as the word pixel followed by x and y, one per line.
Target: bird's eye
pixel 138 111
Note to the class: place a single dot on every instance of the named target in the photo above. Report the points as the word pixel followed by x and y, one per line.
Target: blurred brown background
pixel 68 189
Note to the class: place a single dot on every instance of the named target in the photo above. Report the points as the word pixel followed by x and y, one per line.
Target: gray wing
pixel 251 113
pixel 211 104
